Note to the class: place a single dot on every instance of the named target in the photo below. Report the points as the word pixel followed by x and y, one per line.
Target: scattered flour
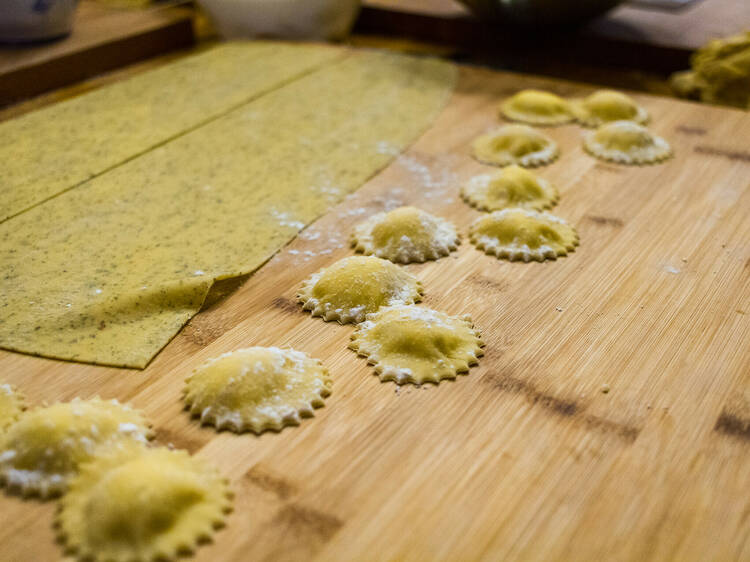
pixel 437 183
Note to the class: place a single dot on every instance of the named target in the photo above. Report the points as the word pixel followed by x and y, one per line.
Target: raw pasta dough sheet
pixel 47 152
pixel 109 271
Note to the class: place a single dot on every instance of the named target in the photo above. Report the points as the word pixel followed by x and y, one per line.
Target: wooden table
pixel 527 457
pixel 643 38
pixel 632 47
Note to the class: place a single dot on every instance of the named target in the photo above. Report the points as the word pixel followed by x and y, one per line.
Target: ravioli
pixel 512 186
pixel 116 266
pixel 521 234
pixel 537 108
pixel 257 388
pixel 515 144
pixel 43 449
pixel 410 344
pixel 355 286
pixel 11 405
pixel 604 106
pixel 142 504
pixel 626 142
pixel 405 235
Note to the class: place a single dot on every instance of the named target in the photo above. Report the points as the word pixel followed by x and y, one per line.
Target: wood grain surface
pixel 526 458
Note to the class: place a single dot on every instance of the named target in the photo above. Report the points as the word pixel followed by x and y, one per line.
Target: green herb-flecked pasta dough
pixel 47 152
pixel 109 271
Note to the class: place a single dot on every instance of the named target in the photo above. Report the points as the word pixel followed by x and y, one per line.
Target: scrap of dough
pixel 56 148
pixel 512 186
pixel 604 106
pixel 355 286
pixel 11 405
pixel 41 451
pixel 405 235
pixel 142 504
pixel 521 234
pixel 110 271
pixel 515 144
pixel 410 344
pixel 720 72
pixel 537 108
pixel 257 388
pixel 626 142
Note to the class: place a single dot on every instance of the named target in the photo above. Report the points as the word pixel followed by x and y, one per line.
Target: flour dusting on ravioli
pixel 257 388
pixel 523 235
pixel 626 142
pixel 405 235
pixel 512 186
pixel 142 504
pixel 604 106
pixel 537 107
pixel 515 144
pixel 355 286
pixel 41 451
pixel 411 344
pixel 11 405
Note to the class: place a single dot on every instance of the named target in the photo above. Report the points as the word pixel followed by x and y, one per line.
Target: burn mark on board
pixel 605 221
pixel 298 532
pixel 627 432
pixel 734 155
pixel 178 440
pixel 691 130
pixel 286 305
pixel 733 425
pixel 300 518
pixel 202 330
pixel 513 385
pixel 483 282
pixel 561 406
pixel 269 482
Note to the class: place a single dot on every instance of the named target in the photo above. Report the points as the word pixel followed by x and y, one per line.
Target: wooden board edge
pixel 45 76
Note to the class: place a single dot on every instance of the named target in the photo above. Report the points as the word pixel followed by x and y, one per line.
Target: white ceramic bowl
pixel 35 20
pixel 293 19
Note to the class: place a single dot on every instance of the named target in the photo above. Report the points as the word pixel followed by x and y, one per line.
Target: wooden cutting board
pixel 103 38
pixel 526 458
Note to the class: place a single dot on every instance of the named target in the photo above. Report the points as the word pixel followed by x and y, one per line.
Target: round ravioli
pixel 141 504
pixel 512 186
pixel 410 344
pixel 626 142
pixel 515 144
pixel 355 286
pixel 43 449
pixel 405 235
pixel 537 108
pixel 521 234
pixel 604 106
pixel 257 388
pixel 11 406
